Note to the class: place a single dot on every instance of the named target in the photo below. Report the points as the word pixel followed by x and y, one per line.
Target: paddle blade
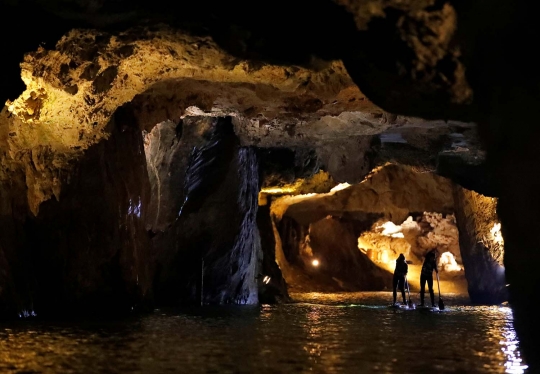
pixel 441 304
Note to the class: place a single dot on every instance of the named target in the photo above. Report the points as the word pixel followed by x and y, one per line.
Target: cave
pixel 196 162
pixel 348 238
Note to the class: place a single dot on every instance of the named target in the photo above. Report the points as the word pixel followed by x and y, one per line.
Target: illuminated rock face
pixel 167 148
pixel 476 216
pixel 390 192
pixel 160 74
pixel 310 226
pixel 73 91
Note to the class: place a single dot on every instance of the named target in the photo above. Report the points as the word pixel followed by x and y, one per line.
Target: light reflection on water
pixel 509 343
pixel 336 333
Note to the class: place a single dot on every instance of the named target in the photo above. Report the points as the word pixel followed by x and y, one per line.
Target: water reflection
pixel 514 363
pixel 338 333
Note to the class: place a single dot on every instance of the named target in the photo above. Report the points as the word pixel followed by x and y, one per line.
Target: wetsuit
pixel 426 275
pixel 399 279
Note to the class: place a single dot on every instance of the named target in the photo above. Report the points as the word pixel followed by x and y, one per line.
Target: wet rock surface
pixel 275 289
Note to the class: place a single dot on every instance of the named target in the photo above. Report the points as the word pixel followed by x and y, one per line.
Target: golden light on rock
pixel 448 262
pixel 315 262
pixel 70 100
pixel 279 190
pixel 340 187
pixel 390 229
pixel 496 233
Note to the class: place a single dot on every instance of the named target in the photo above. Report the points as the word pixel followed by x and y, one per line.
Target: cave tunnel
pixel 207 172
pixel 348 238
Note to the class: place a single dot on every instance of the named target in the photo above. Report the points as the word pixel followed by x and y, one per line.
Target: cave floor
pixel 330 333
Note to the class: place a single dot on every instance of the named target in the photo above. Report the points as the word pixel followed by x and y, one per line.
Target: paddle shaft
pixel 408 290
pixel 438 285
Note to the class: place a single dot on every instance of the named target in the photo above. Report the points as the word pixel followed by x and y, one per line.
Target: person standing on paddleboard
pixel 399 277
pixel 426 275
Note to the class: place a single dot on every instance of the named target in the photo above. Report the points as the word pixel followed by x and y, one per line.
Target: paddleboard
pixel 401 307
pixel 428 308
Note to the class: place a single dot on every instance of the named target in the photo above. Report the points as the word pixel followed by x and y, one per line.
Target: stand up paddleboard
pixel 401 307
pixel 428 308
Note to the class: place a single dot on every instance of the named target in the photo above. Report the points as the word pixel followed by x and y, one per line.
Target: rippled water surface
pixel 321 333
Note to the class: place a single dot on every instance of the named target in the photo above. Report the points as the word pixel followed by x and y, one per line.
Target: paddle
pixel 441 303
pixel 411 305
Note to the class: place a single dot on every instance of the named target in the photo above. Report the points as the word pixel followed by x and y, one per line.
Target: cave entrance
pixel 348 238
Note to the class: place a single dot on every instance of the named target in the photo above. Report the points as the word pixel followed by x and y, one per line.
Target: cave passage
pixel 348 238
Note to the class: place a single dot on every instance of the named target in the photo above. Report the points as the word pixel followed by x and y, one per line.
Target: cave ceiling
pixel 290 77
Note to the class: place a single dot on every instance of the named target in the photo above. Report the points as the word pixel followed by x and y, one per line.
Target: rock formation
pixel 331 81
pixel 484 259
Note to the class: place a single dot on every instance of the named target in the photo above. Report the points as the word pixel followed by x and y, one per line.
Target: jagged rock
pixel 212 251
pixel 167 149
pixel 391 192
pixel 483 259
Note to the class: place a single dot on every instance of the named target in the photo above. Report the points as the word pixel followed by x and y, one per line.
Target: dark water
pixel 347 333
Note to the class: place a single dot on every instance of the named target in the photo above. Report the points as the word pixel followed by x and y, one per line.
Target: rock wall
pixel 276 289
pixel 482 255
pixel 383 242
pixel 333 243
pixel 163 150
pixel 73 91
pixel 88 251
pixel 14 288
pixel 391 192
pixel 216 224
pixel 114 238
pixel 414 237
pixel 425 58
pixel 167 148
